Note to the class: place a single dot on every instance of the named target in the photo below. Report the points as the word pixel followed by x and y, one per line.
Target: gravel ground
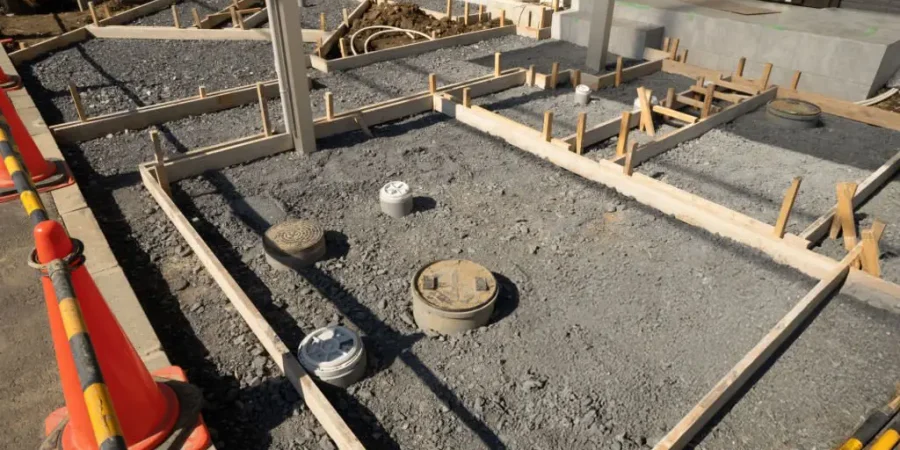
pixel 571 359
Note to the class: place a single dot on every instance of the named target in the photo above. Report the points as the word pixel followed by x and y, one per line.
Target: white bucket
pixel 582 95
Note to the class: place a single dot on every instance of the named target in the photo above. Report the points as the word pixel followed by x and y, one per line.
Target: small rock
pixel 404 316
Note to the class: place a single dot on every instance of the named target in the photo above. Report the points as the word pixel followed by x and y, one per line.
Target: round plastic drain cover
pixel 395 190
pixel 334 354
pixel 793 113
pixel 396 199
pixel 294 243
pixel 456 285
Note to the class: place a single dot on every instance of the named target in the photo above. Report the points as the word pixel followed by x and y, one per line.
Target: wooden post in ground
pixel 323 25
pixel 319 45
pixel 450 9
pixel 175 20
pixel 547 132
pixel 619 63
pixel 480 12
pixel 764 79
pixel 106 12
pixel 579 132
pixel 93 14
pixel 707 100
pixel 529 75
pixel 674 50
pixel 234 17
pixel 202 91
pixel 263 110
pixel 342 43
pixel 554 75
pixel 196 17
pixel 600 26
pixel 665 46
pixel 670 97
pixel 684 56
pixel 497 68
pixel 502 17
pixel 76 98
pixel 739 71
pixel 624 129
pixel 575 78
pixel 329 106
pixel 466 13
pixel 290 65
pixel 432 83
pixel 467 97
pixel 240 20
pixel 160 162
pixel 795 80
pixel 346 15
pixel 555 5
pixel 628 167
pixel 81 5
pixel 870 253
pixel 845 192
pixel 786 205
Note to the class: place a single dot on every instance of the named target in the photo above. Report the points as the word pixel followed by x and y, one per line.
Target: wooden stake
pixel 528 24
pixel 502 17
pixel 497 64
pixel 624 129
pixel 81 5
pixel 870 253
pixel 160 159
pixel 450 9
pixel 322 24
pixel 707 100
pixel 466 13
pixel 670 97
pixel 346 15
pixel 684 56
pixel 329 106
pixel 240 20
pixel 76 98
pixel 795 81
pixel 542 20
pixel 263 110
pixel 548 126
pixel 674 50
pixel 786 205
pixel 739 71
pixel 467 97
pixel 432 83
pixel 175 17
pixel 646 111
pixel 480 12
pixel 878 228
pixel 554 75
pixel 202 91
pixel 529 76
pixel 764 79
pixel 343 44
pixel 628 167
pixel 579 132
pixel 93 14
pixel 555 5
pixel 845 192
pixel 665 46
pixel 234 17
pixel 575 77
pixel 319 47
pixel 196 17
pixel 619 63
pixel 106 12
pixel 358 118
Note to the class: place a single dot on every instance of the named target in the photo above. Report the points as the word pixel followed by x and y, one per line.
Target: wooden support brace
pixel 795 80
pixel 76 98
pixel 764 79
pixel 94 14
pixel 263 110
pixel 845 192
pixel 160 161
pixel 707 100
pixel 547 133
pixel 358 118
pixel 739 71
pixel 689 101
pixel 624 129
pixel 467 97
pixel 81 5
pixel 674 114
pixel 579 132
pixel 432 83
pixel 319 45
pixel 870 253
pixel 644 96
pixel 837 221
pixel 234 17
pixel 619 64
pixel 196 17
pixel 554 75
pixel 106 12
pixel 329 106
pixel 786 206
pixel 175 20
pixel 240 21
pixel 628 167
pixel 497 67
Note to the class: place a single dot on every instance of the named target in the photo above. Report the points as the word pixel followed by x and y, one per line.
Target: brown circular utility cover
pixel 295 236
pixel 455 285
pixel 794 108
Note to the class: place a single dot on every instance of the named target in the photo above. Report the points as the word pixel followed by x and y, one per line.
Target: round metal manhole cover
pixel 794 108
pixel 455 285
pixel 294 236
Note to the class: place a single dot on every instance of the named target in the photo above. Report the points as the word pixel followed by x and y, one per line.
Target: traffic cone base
pixel 9 82
pixel 61 177
pixel 197 439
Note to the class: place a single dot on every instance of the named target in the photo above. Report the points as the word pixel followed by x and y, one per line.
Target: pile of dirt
pixel 32 28
pixel 408 16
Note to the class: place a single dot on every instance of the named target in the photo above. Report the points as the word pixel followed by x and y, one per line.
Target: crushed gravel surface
pixel 613 321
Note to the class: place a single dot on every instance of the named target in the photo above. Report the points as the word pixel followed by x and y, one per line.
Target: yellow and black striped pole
pixel 888 440
pixel 872 425
pixel 104 422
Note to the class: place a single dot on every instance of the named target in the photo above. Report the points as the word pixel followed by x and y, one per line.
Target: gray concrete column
pixel 601 24
pixel 290 64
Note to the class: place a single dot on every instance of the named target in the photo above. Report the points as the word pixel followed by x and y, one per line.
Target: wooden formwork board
pixel 82 34
pixel 193 34
pixel 599 82
pixel 222 16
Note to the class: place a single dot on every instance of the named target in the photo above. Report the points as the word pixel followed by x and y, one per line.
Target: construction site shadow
pixel 375 331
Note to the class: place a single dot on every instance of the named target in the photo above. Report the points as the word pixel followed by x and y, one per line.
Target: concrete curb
pixel 79 220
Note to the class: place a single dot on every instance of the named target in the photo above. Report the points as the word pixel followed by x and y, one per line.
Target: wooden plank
pixel 137 12
pixel 608 80
pixel 315 400
pixel 224 15
pixel 870 253
pixel 698 129
pixel 754 90
pixel 733 98
pixel 43 47
pixel 848 110
pixel 652 54
pixel 817 230
pixel 198 161
pixel 258 18
pixel 624 128
pixel 786 206
pixel 845 193
pixel 675 114
pixel 187 34
pixel 680 436
pixel 605 130
pixel 417 48
pixel 74 132
pixel 644 97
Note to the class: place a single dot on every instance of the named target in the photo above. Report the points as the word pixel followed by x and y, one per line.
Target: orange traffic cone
pixel 148 411
pixel 9 82
pixel 44 173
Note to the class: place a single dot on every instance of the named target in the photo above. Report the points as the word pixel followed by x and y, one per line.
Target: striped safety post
pixel 28 194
